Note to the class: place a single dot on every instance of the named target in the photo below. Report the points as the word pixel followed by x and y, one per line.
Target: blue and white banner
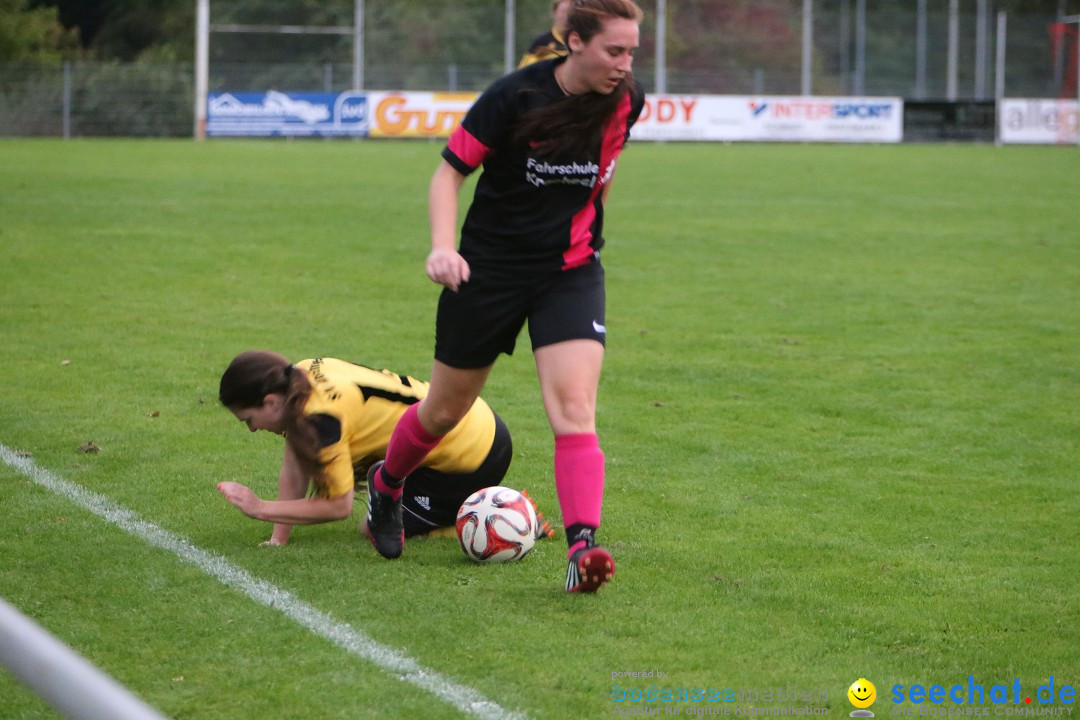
pixel 286 114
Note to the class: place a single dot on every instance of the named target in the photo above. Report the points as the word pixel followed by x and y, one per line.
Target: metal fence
pixel 920 51
pixel 96 99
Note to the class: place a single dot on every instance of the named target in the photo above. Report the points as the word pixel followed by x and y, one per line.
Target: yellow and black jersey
pixel 545 47
pixel 355 408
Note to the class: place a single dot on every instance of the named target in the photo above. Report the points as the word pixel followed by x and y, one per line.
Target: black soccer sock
pixel 388 484
pixel 391 480
pixel 580 533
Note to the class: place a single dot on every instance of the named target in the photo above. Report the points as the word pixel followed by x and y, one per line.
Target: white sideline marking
pixel 343 635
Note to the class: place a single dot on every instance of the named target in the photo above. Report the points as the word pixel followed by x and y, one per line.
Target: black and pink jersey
pixel 531 215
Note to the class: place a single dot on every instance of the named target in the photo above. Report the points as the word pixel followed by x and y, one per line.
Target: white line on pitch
pixel 343 635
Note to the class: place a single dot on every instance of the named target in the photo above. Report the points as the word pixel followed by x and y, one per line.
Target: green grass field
pixel 840 412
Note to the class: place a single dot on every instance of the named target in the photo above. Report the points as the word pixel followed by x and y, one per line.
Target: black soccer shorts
pixel 486 315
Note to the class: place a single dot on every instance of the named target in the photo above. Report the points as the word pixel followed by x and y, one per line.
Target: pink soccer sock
pixel 579 478
pixel 409 444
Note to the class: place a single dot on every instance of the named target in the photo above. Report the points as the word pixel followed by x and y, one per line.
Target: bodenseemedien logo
pixel 862 695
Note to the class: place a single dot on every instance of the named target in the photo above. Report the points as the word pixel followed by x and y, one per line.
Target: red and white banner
pixel 770 118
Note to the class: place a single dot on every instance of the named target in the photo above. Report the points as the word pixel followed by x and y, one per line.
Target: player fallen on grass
pixel 336 418
pixel 547 136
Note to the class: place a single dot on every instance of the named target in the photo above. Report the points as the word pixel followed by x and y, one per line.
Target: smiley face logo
pixel 862 693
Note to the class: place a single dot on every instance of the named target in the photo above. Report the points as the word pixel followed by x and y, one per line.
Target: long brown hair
pixel 253 375
pixel 575 124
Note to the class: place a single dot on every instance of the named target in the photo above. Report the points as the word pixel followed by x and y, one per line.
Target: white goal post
pixel 203 28
pixel 64 679
pixel 1070 20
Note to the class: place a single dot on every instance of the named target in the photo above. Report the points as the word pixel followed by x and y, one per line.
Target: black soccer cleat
pixel 385 526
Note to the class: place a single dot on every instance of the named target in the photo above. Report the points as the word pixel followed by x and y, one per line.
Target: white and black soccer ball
pixel 496 524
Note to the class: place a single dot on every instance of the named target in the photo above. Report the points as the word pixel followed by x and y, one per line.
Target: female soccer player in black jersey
pixel 337 418
pixel 548 137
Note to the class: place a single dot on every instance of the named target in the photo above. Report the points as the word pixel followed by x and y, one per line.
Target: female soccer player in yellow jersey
pixel 337 418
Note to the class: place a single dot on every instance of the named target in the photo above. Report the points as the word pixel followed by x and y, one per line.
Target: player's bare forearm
pixel 443 193
pixel 305 511
pixel 289 510
pixel 444 264
pixel 292 485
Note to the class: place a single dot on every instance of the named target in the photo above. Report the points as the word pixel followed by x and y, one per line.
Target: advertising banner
pixel 1035 121
pixel 267 114
pixel 943 121
pixel 706 118
pixel 770 118
pixel 417 114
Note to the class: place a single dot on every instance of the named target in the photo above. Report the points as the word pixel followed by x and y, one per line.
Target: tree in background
pixel 720 45
pixel 34 34
pixel 712 45
pixel 128 30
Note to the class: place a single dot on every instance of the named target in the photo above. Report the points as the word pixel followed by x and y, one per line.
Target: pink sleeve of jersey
pixel 467 148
